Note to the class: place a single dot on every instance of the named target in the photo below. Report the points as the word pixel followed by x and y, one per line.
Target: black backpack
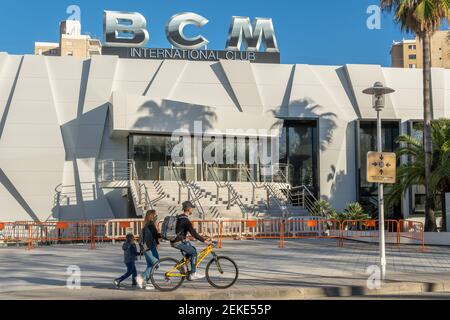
pixel 169 228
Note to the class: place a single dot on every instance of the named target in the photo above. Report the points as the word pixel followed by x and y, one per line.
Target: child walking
pixel 130 255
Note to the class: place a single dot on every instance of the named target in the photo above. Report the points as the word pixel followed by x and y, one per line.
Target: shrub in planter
pixel 354 211
pixel 322 208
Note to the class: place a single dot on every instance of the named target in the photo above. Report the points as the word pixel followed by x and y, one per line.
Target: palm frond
pixel 418 16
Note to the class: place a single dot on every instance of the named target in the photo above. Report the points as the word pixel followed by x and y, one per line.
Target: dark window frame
pixel 359 122
pixel 316 146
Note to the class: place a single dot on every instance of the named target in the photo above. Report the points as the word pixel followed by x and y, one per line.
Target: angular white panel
pixel 362 77
pixel 273 83
pixel 242 80
pixel 33 129
pixel 8 74
pixel 134 76
pixel 13 211
pixel 167 78
pixel 204 84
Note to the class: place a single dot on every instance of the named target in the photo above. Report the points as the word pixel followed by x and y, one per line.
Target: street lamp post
pixel 378 93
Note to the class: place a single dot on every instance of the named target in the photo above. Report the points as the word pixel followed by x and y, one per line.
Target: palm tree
pixel 412 173
pixel 424 18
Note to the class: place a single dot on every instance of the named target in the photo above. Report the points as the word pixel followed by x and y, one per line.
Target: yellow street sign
pixel 381 167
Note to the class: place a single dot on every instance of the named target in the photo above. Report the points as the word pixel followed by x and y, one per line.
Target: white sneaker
pixel 197 276
pixel 140 281
pixel 149 287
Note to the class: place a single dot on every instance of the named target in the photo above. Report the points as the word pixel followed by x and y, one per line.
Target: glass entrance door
pixel 153 158
pixel 299 149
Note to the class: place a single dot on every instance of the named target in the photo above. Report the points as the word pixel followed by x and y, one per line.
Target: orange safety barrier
pixel 312 223
pixel 396 232
pixel 35 233
pixel 260 229
pixel 251 223
pixel 207 228
pixel 412 232
pixel 317 229
pixel 62 225
pixel 368 230
pixel 124 225
pixel 117 230
pixel 99 231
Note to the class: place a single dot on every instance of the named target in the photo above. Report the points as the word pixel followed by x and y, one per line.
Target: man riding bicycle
pixel 183 227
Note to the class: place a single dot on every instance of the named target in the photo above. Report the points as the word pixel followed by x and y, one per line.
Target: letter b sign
pixel 124 29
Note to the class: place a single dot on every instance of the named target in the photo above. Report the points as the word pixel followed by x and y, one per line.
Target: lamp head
pixel 378 93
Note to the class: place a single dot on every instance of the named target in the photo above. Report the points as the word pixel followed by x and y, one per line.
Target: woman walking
pixel 149 243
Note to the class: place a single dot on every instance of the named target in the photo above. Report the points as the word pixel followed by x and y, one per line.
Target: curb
pixel 314 293
pixel 296 293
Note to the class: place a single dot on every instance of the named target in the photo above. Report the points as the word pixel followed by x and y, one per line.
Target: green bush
pixel 353 211
pixel 322 208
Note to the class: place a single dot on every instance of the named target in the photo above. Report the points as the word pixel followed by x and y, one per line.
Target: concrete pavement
pixel 305 269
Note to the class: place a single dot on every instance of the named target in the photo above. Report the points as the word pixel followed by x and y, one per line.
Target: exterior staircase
pixel 213 199
pixel 121 175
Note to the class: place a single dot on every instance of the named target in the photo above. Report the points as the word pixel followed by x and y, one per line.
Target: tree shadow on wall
pixel 307 108
pixel 83 141
pixel 344 181
pixel 168 116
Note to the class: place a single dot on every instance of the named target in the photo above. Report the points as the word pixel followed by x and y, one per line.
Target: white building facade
pixel 62 117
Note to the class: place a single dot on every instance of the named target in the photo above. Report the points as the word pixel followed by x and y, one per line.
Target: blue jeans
pixel 190 251
pixel 152 258
pixel 131 271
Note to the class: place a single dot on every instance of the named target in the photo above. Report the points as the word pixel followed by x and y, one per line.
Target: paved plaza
pixel 304 269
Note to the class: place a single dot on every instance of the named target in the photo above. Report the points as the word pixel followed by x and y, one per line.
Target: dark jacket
pixel 184 226
pixel 149 237
pixel 130 252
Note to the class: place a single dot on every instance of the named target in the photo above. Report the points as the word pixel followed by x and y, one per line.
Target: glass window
pixel 418 192
pixel 153 156
pixel 299 149
pixel 368 142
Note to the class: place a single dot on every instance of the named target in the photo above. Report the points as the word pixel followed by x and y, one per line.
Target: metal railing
pixel 301 196
pixel 279 189
pixel 233 196
pixel 142 194
pixel 224 174
pixel 272 193
pixel 115 170
pixel 194 194
pixel 125 170
pixel 277 173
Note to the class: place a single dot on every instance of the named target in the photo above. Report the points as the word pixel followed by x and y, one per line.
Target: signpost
pixel 381 167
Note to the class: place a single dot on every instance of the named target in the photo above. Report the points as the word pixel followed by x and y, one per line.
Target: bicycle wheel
pixel 222 273
pixel 165 276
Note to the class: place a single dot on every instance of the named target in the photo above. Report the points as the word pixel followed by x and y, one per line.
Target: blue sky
pixel 326 32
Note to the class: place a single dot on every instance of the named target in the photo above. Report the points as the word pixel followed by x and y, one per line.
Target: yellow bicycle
pixel 169 273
